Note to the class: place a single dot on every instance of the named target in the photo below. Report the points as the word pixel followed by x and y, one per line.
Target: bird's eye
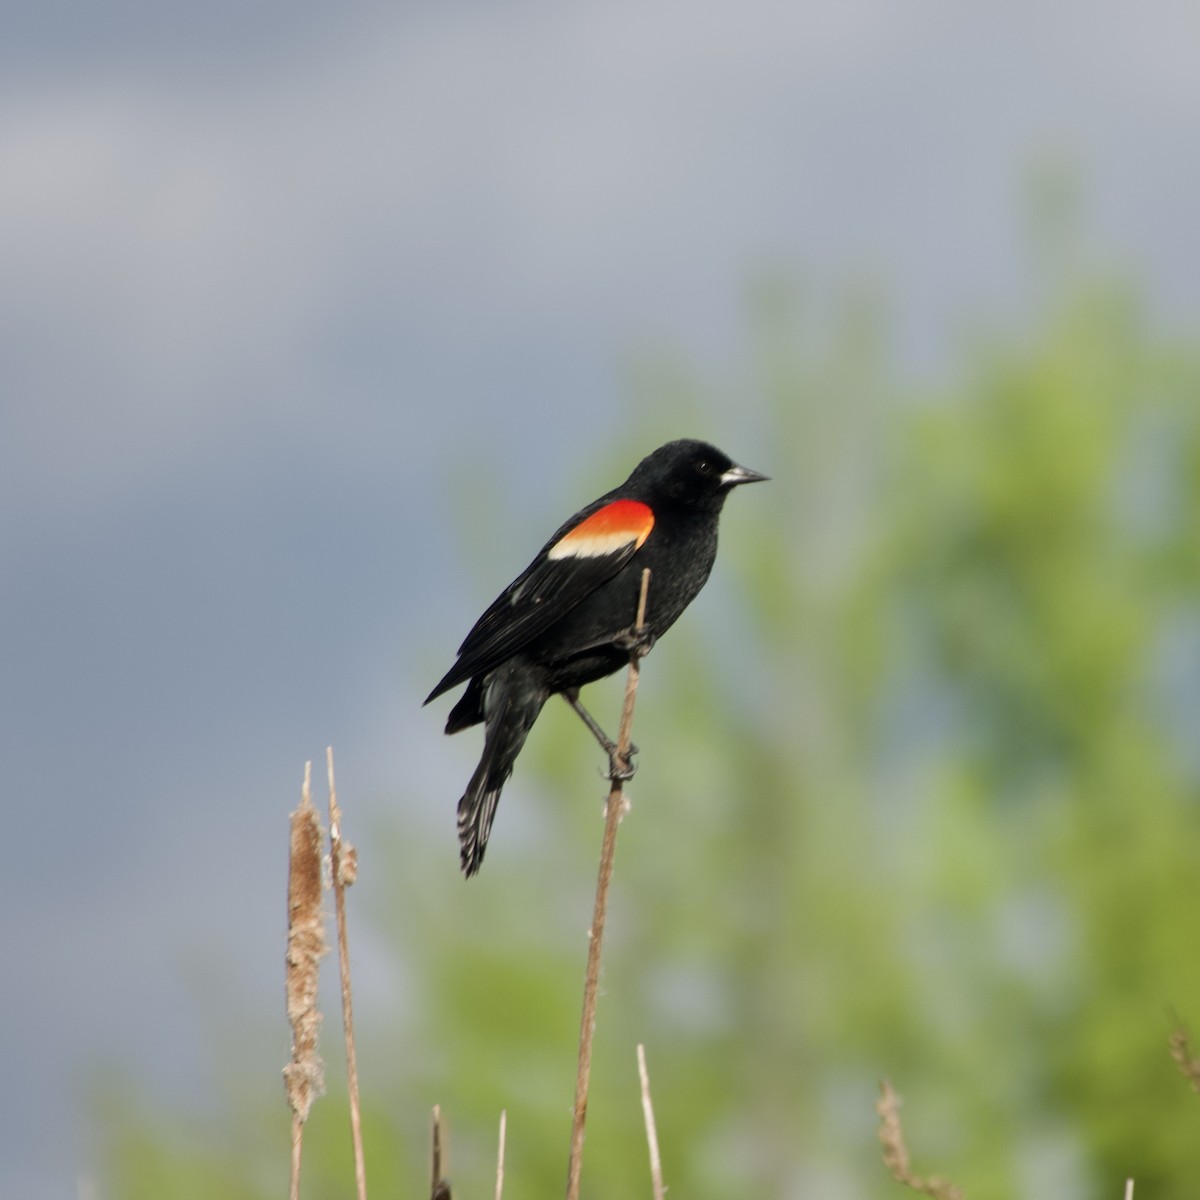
pixel 704 467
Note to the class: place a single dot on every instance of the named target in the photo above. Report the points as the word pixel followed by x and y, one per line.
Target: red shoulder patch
pixel 606 531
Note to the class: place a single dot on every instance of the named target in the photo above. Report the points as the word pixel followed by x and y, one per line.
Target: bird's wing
pixel 580 556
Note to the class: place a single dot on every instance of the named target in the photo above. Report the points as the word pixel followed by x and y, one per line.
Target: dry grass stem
pixel 613 812
pixel 303 1076
pixel 297 1157
pixel 500 1157
pixel 439 1187
pixel 1129 1189
pixel 656 1178
pixel 895 1150
pixel 1184 1056
pixel 343 860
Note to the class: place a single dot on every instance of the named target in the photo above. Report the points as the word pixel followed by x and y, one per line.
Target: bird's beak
pixel 736 475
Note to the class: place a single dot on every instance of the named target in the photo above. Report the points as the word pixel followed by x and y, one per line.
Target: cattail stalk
pixel 343 860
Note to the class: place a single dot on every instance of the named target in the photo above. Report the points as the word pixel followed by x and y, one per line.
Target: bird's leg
pixel 618 767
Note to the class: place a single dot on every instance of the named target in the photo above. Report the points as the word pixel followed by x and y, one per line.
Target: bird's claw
pixel 638 640
pixel 622 770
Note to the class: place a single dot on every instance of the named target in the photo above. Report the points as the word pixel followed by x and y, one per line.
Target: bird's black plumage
pixel 559 624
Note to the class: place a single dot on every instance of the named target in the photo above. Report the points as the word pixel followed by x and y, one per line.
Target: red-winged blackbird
pixel 568 618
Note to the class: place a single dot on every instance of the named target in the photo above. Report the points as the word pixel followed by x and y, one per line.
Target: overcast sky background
pixel 273 277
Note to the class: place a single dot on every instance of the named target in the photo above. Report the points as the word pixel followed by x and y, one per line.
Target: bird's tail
pixel 512 698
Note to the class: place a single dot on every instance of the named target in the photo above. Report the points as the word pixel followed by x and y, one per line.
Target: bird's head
pixel 690 473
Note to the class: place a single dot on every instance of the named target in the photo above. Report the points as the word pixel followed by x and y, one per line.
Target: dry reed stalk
pixel 500 1157
pixel 656 1178
pixel 439 1187
pixel 613 812
pixel 1185 1058
pixel 343 860
pixel 303 1076
pixel 895 1150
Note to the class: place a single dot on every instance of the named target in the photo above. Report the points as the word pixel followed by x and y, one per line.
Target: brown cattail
pixel 304 1076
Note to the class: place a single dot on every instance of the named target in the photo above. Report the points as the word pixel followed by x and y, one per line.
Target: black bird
pixel 568 618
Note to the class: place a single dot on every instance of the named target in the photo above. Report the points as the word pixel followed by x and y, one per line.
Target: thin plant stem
pixel 1183 1054
pixel 343 860
pixel 500 1156
pixel 439 1189
pixel 613 812
pixel 297 1153
pixel 895 1151
pixel 656 1178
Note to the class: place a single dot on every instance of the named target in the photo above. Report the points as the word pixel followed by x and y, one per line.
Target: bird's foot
pixel 621 769
pixel 637 640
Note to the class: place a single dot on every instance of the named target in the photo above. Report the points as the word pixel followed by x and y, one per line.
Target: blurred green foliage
pixel 919 798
